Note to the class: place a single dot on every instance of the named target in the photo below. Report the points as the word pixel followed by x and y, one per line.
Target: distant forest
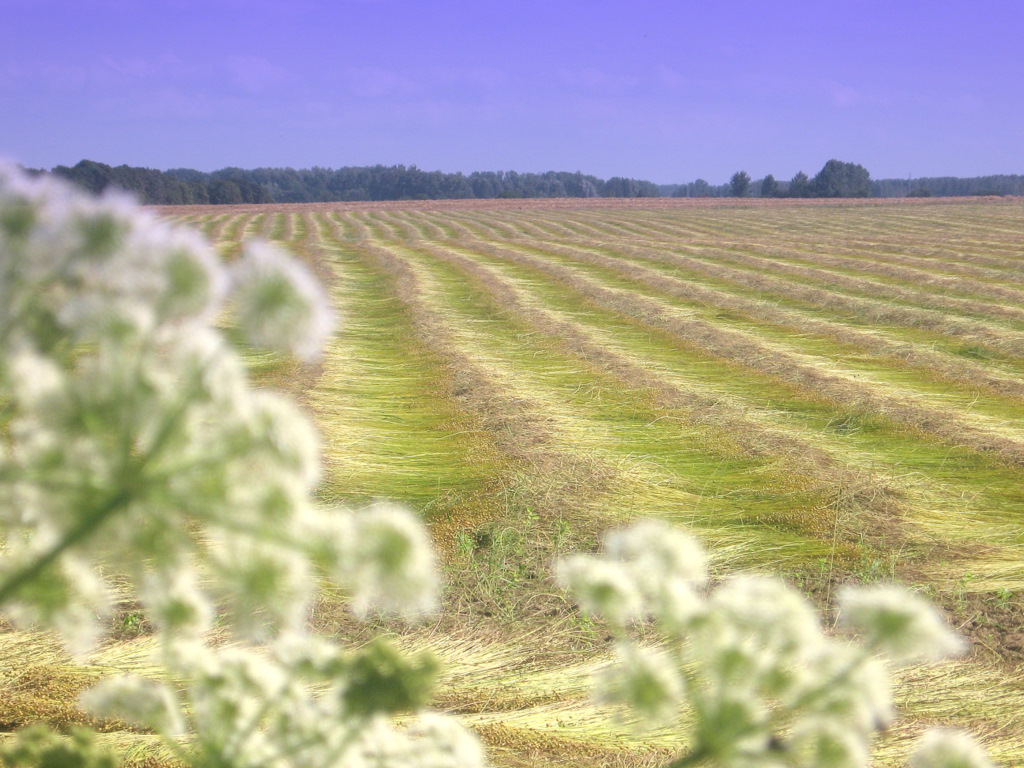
pixel 183 186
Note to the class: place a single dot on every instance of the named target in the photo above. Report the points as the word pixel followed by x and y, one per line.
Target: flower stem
pixel 82 531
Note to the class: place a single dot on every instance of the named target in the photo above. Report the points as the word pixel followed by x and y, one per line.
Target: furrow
pixel 706 259
pixel 896 352
pixel 514 425
pixel 734 348
pixel 727 425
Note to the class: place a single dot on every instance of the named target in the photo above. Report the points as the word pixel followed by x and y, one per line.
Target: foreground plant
pixel 750 662
pixel 132 445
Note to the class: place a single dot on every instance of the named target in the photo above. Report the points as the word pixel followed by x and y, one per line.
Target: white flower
pixel 391 566
pixel 658 550
pixel 645 681
pixel 942 748
pixel 175 603
pixel 196 351
pixel 36 381
pixel 602 587
pixel 666 565
pixel 136 700
pixel 268 585
pixel 828 743
pixel 734 728
pixel 279 304
pixel 843 683
pixel 898 623
pixel 68 597
pixel 380 745
pixel 194 281
pixel 776 618
pixel 281 427
pixel 442 742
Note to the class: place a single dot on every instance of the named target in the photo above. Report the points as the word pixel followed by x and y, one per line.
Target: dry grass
pixel 827 390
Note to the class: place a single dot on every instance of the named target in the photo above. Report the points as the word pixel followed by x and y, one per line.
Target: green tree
pixel 769 186
pixel 739 184
pixel 225 192
pixel 799 186
pixel 839 179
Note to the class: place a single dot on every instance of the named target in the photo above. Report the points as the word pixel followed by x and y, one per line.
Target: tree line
pixel 185 186
pixel 835 179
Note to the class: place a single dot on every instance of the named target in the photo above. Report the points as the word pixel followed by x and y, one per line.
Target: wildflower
pixel 280 428
pixel 780 619
pixel 391 565
pixel 442 742
pixel 645 681
pixel 898 623
pixel 843 683
pixel 267 584
pixel 942 748
pixel 175 603
pixel 136 700
pixel 828 743
pixel 194 284
pixel 657 550
pixel 666 565
pixel 602 587
pixel 279 304
pixel 131 435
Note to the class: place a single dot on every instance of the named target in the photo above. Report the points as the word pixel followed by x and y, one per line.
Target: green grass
pixel 507 435
pixel 388 430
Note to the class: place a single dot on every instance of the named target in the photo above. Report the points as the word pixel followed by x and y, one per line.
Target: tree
pixel 739 184
pixel 769 186
pixel 225 192
pixel 799 186
pixel 88 174
pixel 839 179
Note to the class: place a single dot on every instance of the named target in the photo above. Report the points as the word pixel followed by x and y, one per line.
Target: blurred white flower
pixel 391 565
pixel 36 381
pixel 175 603
pixel 657 551
pixel 267 585
pixel 279 427
pixel 442 742
pixel 898 623
pixel 942 748
pixel 844 683
pixel 132 437
pixel 602 587
pixel 828 743
pixel 136 700
pixel 645 681
pixel 778 618
pixel 279 304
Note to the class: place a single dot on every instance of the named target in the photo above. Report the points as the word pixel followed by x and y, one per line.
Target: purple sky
pixel 664 90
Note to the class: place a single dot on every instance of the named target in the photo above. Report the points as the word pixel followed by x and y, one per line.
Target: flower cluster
pixel 251 709
pixel 132 444
pixel 765 684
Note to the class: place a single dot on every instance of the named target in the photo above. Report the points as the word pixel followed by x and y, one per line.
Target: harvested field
pixel 830 391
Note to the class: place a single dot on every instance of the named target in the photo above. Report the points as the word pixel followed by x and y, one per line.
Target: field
pixel 833 392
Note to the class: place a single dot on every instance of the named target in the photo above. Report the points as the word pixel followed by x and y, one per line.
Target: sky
pixel 652 89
